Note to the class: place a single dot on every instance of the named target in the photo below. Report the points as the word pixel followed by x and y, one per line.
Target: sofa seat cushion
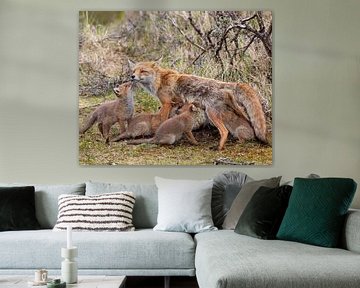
pixel 226 259
pixel 141 249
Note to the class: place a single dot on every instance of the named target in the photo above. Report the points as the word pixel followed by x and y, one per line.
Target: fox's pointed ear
pixel 193 107
pixel 158 61
pixel 131 64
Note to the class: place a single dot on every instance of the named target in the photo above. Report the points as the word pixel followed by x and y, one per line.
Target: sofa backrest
pixel 46 200
pixel 351 236
pixel 146 203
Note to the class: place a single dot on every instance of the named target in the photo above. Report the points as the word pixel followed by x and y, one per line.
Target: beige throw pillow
pixel 243 198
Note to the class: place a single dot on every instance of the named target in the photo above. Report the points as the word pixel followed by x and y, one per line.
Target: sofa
pixel 219 258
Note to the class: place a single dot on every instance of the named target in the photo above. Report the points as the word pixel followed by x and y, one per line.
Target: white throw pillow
pixel 184 205
pixel 105 212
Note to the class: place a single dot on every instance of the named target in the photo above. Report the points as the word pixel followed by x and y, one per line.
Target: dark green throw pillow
pixel 263 214
pixel 316 211
pixel 17 208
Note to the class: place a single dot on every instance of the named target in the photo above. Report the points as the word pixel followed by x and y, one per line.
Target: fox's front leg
pixel 122 127
pixel 191 138
pixel 165 111
pixel 211 113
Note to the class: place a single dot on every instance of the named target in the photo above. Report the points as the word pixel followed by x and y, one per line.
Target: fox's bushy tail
pixel 248 97
pixel 230 97
pixel 89 122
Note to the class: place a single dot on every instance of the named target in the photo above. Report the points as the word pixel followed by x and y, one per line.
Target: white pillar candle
pixel 69 237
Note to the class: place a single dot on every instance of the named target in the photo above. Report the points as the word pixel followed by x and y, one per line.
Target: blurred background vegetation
pixel 234 46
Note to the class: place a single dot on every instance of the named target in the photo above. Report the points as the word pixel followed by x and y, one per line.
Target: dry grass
pixel 183 153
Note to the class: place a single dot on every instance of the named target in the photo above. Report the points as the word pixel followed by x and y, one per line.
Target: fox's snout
pixel 122 90
pixel 116 89
pixel 134 78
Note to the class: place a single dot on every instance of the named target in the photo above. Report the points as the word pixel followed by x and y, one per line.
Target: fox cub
pixel 145 124
pixel 117 111
pixel 173 129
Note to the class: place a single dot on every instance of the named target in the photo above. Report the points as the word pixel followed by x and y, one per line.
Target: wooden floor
pixel 158 282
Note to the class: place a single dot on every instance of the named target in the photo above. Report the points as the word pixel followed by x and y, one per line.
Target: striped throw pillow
pixel 105 212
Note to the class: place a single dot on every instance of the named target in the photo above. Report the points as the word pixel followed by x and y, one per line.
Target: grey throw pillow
pixel 226 187
pixel 242 199
pixel 184 205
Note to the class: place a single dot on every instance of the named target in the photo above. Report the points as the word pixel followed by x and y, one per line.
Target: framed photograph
pixel 175 88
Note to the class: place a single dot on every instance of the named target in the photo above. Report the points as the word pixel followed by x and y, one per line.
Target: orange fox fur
pixel 171 86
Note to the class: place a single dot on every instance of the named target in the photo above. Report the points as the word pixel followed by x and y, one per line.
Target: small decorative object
pixel 69 265
pixel 41 275
pixel 56 283
pixel 69 237
pixel 41 278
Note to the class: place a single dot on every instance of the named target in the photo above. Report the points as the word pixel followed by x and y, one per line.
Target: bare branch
pixel 201 54
pixel 186 37
pixel 261 34
pixel 208 36
pixel 192 23
pixel 249 18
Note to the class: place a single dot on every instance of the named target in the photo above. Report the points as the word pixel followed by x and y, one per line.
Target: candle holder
pixel 68 265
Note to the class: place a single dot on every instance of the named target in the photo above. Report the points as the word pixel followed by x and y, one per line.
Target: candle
pixel 69 239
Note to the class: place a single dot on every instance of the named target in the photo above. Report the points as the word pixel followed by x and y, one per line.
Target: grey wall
pixel 316 90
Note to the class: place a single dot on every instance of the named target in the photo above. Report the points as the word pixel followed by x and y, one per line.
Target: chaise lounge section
pixel 226 259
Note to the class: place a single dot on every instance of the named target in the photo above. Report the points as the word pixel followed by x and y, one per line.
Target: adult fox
pixel 171 86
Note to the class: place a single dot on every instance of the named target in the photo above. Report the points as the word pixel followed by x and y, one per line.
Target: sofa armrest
pixel 351 234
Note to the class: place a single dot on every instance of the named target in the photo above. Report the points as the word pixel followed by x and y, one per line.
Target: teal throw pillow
pixel 316 211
